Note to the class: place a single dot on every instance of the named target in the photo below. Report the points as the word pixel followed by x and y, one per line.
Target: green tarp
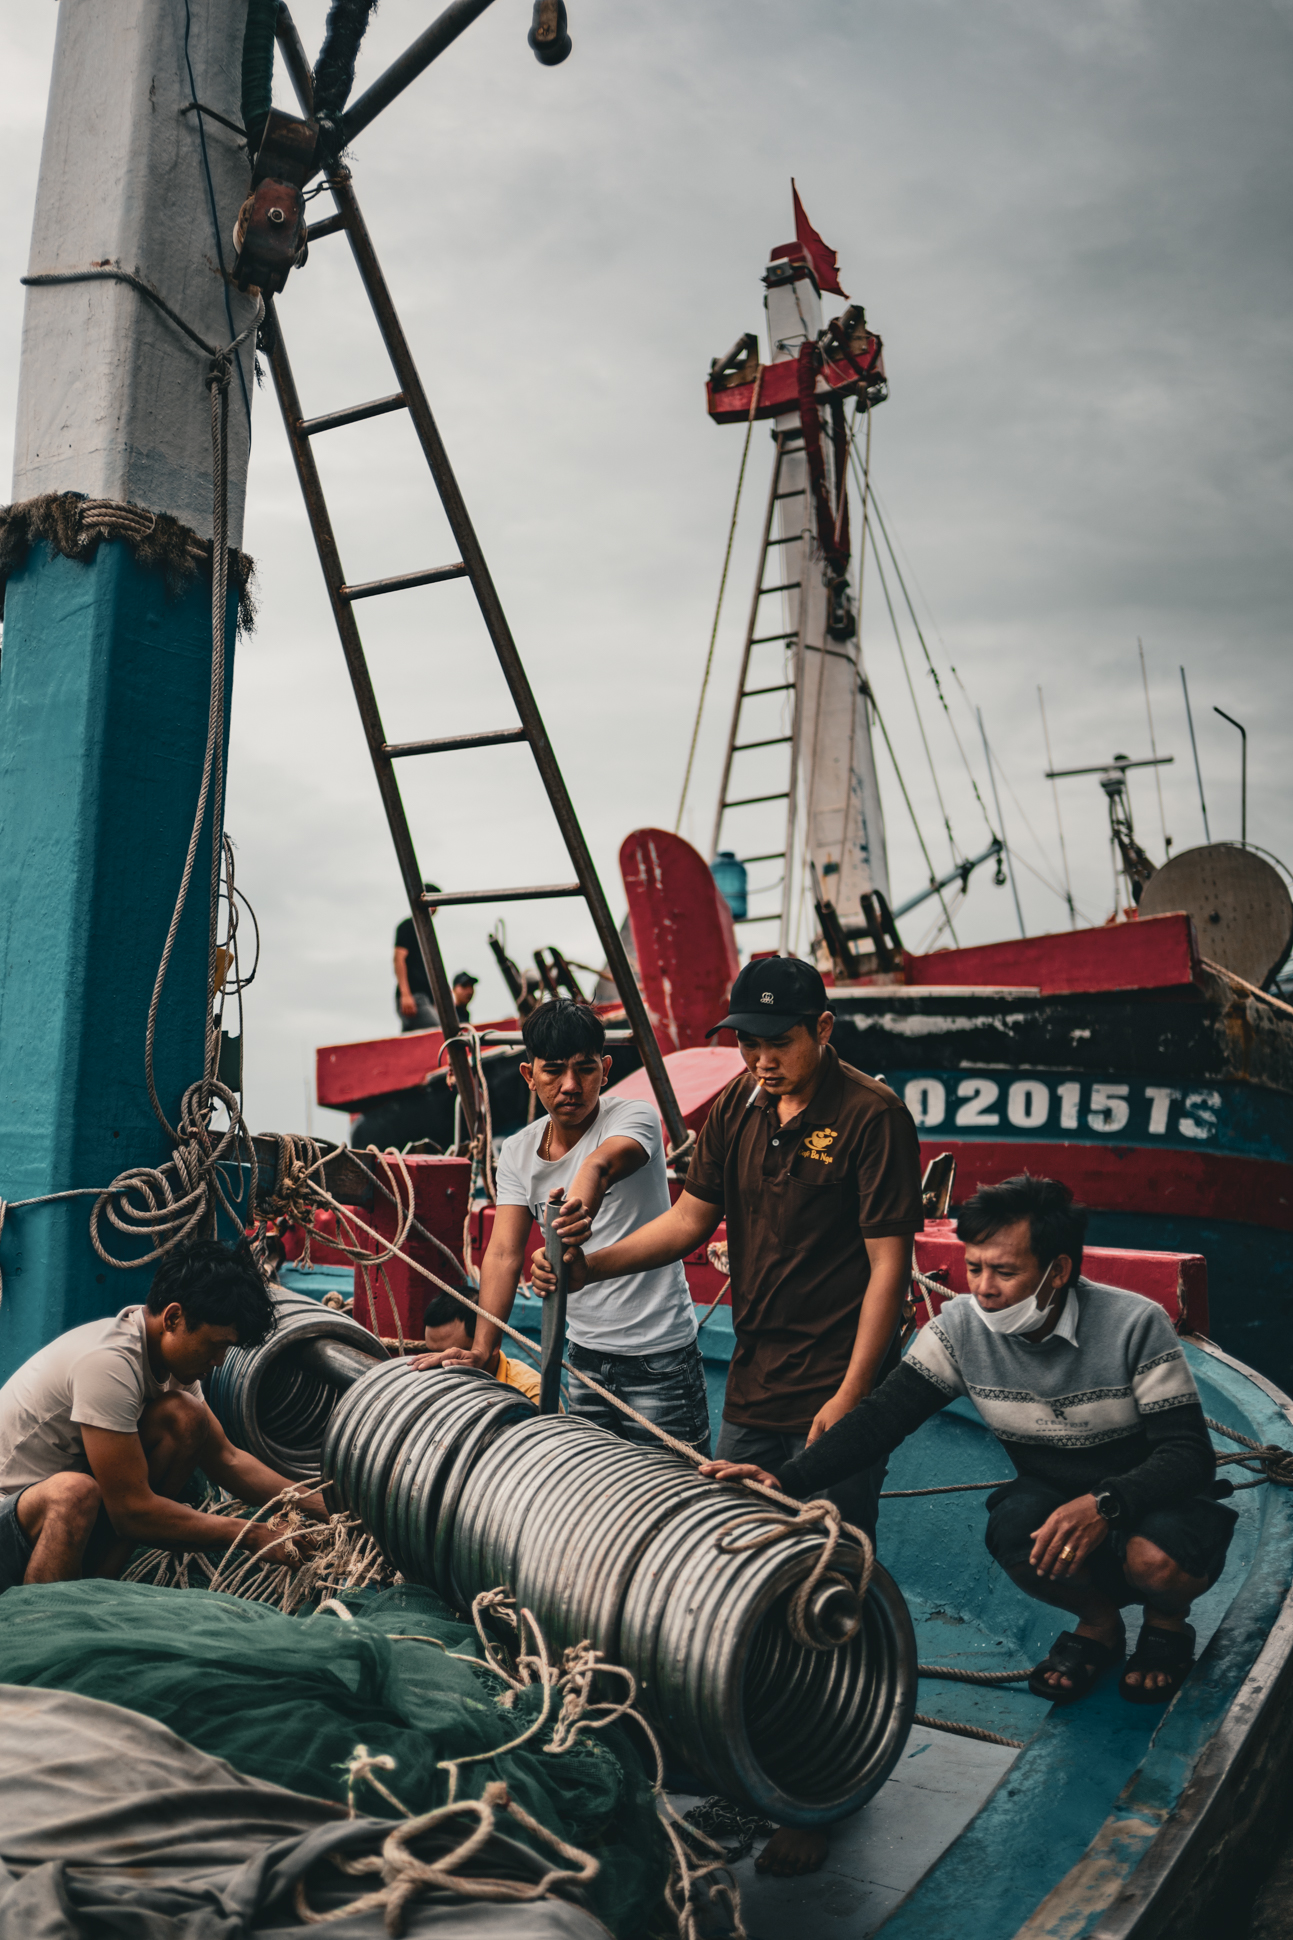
pixel 288 1699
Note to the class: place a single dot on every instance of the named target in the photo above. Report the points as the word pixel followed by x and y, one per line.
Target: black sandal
pixel 1169 1652
pixel 1083 1659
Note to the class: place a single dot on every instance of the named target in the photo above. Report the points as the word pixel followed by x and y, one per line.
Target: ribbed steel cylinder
pixel 560 1511
pixel 398 1445
pixel 806 1735
pixel 467 1489
pixel 619 1544
pixel 276 1400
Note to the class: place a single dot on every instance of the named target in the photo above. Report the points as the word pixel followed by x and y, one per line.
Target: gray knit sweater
pixel 1115 1408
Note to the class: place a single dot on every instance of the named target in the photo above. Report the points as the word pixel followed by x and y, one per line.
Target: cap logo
pixel 766 997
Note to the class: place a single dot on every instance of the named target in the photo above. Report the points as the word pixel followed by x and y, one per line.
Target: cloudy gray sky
pixel 1071 226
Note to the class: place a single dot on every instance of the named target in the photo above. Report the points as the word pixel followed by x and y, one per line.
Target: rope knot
pixel 825 1610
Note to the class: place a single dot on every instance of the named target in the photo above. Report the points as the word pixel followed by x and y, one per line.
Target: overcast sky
pixel 1070 224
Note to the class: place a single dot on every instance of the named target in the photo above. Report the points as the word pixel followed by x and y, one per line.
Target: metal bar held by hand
pixel 553 1336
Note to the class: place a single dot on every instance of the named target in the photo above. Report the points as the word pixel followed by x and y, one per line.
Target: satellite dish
pixel 1242 910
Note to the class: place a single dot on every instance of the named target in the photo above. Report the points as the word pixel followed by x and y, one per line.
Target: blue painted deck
pixel 966 1840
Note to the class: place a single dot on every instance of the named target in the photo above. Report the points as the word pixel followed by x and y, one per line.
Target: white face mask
pixel 1025 1318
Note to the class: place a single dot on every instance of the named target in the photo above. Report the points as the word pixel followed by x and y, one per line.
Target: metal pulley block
pixel 270 233
pixel 549 36
pixel 269 237
pixel 841 620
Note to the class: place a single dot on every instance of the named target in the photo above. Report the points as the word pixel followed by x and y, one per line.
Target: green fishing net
pixel 288 1699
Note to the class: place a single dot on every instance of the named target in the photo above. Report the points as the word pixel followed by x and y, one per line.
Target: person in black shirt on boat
pixel 1089 1392
pixel 413 1001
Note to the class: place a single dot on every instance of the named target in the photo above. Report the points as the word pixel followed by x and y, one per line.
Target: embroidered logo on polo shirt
pixel 814 1146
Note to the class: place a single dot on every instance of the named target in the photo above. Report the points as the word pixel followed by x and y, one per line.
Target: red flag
pixel 823 260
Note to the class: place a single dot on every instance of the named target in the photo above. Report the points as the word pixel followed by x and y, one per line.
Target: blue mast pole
pixel 106 671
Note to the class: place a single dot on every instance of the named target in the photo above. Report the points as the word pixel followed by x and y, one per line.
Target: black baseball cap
pixel 464 976
pixel 771 995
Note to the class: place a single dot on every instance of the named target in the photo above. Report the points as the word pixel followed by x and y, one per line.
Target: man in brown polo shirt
pixel 817 1169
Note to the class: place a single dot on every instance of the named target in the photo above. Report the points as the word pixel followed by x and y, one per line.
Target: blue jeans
pixel 857 1497
pixel 668 1388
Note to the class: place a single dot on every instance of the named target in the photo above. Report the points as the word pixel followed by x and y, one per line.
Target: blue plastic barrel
pixel 732 881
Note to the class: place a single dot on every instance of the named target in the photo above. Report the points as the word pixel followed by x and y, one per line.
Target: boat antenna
pixel 996 799
pixel 1198 772
pixel 1064 855
pixel 1153 749
pixel 1243 773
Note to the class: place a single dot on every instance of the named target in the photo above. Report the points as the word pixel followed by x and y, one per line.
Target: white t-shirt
pixel 636 1313
pixel 96 1376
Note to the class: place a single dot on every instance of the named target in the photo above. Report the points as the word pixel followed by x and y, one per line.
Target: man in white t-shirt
pixel 636 1334
pixel 101 1430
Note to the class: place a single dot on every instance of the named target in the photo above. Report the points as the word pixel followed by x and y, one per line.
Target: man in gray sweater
pixel 1088 1391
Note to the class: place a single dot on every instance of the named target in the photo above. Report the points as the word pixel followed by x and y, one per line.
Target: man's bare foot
pixel 792 1850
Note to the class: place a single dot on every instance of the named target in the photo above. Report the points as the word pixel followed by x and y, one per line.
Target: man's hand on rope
pixel 287 1547
pixel 1067 1538
pixel 721 1471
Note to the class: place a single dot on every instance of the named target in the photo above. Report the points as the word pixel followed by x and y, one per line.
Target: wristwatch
pixel 1109 1506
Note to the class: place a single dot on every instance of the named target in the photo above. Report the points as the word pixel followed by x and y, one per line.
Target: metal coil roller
pixel 466 1488
pixel 276 1400
pixel 398 1447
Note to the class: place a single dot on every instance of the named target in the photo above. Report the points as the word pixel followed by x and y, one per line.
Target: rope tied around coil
pixel 818 1623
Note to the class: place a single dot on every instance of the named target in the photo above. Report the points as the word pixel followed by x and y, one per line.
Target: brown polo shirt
pixel 801 1200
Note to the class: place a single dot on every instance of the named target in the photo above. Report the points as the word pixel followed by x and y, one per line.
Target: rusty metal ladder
pixel 530 730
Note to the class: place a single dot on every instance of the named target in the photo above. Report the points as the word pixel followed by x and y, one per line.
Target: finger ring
pixel 1066 1551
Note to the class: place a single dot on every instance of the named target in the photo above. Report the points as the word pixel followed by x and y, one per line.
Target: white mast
pixel 834 819
pixel 111 397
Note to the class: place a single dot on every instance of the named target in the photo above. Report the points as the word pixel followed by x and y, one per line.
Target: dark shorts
pixel 1195 1534
pixel 669 1389
pixel 857 1497
pixel 15 1550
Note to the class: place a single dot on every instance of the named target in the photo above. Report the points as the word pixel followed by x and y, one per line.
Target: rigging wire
pixel 215 214
pixel 1050 763
pixel 929 862
pixel 920 722
pixel 1046 877
pixel 1010 861
pixel 929 659
pixel 718 605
